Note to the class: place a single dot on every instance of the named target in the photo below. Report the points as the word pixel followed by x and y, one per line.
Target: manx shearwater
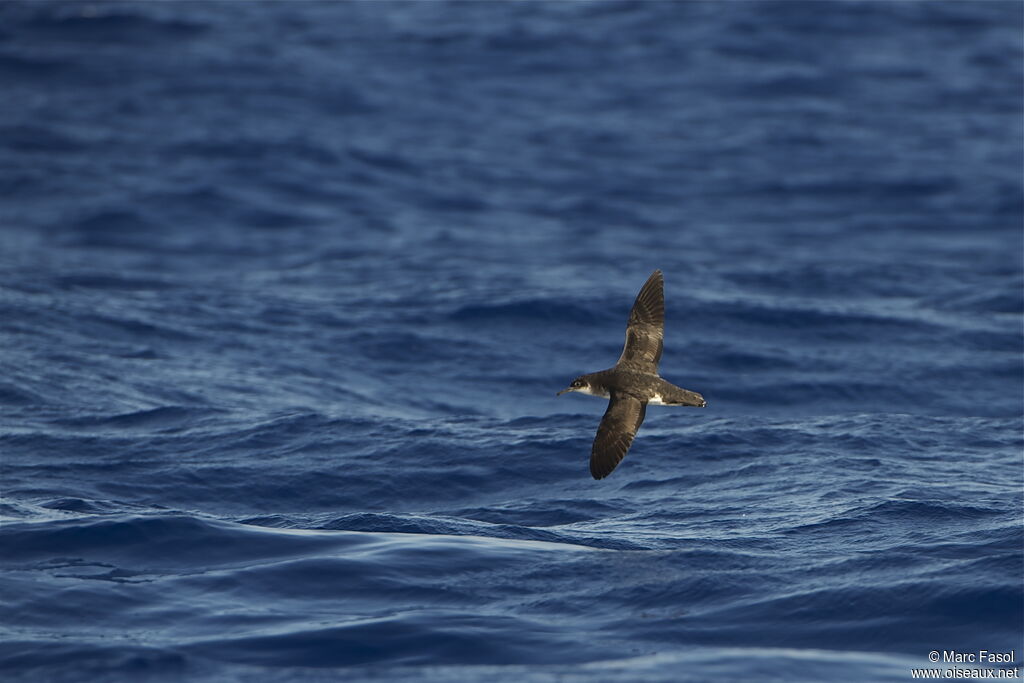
pixel 634 381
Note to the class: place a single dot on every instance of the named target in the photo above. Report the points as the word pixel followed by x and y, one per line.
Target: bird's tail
pixel 683 397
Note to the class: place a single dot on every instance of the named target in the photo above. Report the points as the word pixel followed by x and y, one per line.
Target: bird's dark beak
pixel 563 391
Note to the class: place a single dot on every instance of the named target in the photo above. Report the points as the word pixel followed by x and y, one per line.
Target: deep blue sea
pixel 287 290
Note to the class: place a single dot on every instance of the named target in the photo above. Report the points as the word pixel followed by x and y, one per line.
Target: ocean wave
pixel 91 23
pixel 286 293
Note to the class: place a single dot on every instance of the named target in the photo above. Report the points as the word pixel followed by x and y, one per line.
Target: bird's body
pixel 646 386
pixel 633 383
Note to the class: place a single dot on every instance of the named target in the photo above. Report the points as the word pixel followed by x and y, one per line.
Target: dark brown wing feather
pixel 615 435
pixel 645 332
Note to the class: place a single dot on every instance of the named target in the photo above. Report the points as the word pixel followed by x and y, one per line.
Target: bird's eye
pixel 577 383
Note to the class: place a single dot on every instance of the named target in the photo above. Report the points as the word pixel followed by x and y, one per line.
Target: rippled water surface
pixel 287 290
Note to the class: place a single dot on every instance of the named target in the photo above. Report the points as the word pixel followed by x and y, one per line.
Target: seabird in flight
pixel 634 381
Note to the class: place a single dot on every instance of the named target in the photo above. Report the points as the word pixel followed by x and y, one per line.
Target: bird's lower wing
pixel 615 435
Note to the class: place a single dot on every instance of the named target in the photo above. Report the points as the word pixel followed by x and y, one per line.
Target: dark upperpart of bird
pixel 633 382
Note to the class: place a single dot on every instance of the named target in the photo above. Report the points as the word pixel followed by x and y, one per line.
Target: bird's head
pixel 578 384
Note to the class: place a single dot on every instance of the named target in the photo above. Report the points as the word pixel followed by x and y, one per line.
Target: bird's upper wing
pixel 646 329
pixel 624 416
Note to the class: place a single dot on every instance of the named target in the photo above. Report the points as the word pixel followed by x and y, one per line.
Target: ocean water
pixel 287 290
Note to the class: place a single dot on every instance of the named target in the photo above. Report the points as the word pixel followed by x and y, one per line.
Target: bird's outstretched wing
pixel 615 435
pixel 646 329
